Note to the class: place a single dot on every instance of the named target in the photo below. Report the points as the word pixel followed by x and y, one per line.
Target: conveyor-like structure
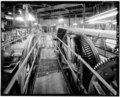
pixel 49 64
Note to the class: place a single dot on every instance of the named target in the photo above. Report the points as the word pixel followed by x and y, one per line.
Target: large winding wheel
pixel 86 49
pixel 108 71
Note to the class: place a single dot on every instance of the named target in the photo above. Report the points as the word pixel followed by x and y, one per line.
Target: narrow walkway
pixel 49 78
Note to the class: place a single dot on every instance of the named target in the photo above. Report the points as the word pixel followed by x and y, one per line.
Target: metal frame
pixel 14 40
pixel 105 52
pixel 27 80
pixel 113 91
pixel 7 90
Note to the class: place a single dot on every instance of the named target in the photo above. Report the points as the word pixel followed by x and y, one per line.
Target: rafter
pixel 61 6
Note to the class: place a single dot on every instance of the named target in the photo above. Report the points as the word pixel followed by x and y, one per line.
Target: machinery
pixel 11 63
pixel 60 47
pixel 83 46
pixel 85 71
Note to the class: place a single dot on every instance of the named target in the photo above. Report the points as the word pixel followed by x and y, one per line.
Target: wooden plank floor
pixel 49 79
pixel 53 83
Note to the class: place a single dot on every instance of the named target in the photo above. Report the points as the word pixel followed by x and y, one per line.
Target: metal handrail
pixel 73 71
pixel 26 83
pixel 14 40
pixel 67 63
pixel 90 68
pixel 7 90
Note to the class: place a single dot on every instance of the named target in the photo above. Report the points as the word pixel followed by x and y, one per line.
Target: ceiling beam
pixel 61 6
pixel 64 12
pixel 55 13
pixel 78 14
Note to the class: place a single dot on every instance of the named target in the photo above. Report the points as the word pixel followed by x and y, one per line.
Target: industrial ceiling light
pixel 20 11
pixel 75 24
pixel 30 17
pixel 19 18
pixel 114 22
pixel 60 20
pixel 8 17
pixel 35 23
pixel 10 13
pixel 103 15
pixel 54 25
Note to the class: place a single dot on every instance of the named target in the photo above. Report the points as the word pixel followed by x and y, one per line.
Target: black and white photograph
pixel 59 48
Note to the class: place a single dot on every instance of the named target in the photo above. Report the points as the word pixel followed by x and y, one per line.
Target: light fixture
pixel 60 20
pixel 35 23
pixel 8 17
pixel 20 11
pixel 75 24
pixel 54 25
pixel 30 17
pixel 10 13
pixel 114 23
pixel 19 18
pixel 103 15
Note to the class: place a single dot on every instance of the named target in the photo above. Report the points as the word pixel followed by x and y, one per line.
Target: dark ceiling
pixel 52 9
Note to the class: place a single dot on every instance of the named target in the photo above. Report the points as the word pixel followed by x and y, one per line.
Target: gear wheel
pixel 89 53
pixel 108 71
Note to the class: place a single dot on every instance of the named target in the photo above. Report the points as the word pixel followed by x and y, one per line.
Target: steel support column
pixel 83 15
pixel 69 23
